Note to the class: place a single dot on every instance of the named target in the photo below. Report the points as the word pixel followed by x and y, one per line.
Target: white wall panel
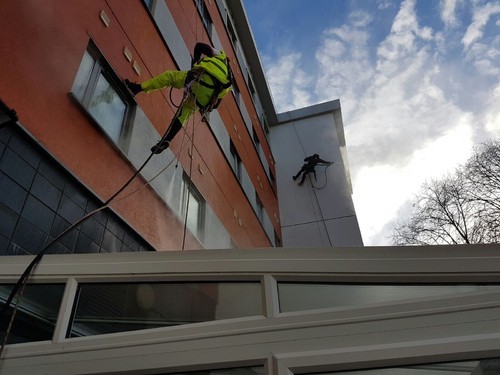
pixel 324 200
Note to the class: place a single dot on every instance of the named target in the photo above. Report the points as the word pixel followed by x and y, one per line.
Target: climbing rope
pixel 326 180
pixel 190 182
pixel 188 192
pixel 22 281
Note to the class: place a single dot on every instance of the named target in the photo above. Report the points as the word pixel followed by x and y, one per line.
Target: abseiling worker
pixel 309 167
pixel 208 81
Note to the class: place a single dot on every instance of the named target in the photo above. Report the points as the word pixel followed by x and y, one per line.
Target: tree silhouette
pixel 461 208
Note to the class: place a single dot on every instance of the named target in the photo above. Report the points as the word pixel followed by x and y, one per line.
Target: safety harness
pixel 219 81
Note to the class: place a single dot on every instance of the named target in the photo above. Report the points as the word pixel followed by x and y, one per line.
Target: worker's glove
pixel 134 88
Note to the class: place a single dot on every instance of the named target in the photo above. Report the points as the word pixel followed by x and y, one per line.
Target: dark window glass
pixel 107 308
pixel 36 315
pixel 260 207
pixel 232 33
pixel 308 296
pixel 259 370
pixel 236 162
pixel 483 367
pixel 150 4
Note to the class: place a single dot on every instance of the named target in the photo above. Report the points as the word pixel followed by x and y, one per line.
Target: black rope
pixel 195 126
pixel 24 277
pixel 172 100
pixel 326 179
pixel 27 272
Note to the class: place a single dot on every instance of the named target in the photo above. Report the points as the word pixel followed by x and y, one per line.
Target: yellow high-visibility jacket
pixel 217 69
pixel 215 66
pixel 217 74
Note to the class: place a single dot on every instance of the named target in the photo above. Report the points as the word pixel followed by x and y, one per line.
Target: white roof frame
pixel 449 328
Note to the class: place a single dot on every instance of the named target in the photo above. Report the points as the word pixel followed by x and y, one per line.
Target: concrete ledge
pixel 314 110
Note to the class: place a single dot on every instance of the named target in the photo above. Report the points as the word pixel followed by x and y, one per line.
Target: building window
pixel 251 86
pixel 36 313
pixel 102 308
pixel 97 89
pixel 236 161
pixel 277 240
pixel 260 208
pixel 150 4
pixel 272 179
pixel 255 138
pixel 193 203
pixel 205 15
pixel 258 146
pixel 232 33
pixel 236 93
pixel 39 204
pixel 298 296
pixel 478 367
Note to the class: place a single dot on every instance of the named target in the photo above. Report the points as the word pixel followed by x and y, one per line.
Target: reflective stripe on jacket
pixel 216 66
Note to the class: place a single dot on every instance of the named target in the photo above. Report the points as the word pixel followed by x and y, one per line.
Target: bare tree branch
pixel 461 208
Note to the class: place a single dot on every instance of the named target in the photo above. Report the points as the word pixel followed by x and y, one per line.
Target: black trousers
pixel 305 170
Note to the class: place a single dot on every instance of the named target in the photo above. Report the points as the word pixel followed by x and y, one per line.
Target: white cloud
pixel 401 102
pixel 401 127
pixel 405 32
pixel 381 190
pixel 485 56
pixel 491 117
pixel 448 15
pixel 344 63
pixel 480 18
pixel 360 19
pixel 289 82
pixel 383 4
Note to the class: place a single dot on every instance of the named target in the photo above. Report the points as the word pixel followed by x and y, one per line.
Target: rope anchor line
pixel 326 179
pixel 22 281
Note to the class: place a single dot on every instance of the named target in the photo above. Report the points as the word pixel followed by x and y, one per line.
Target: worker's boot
pixel 163 144
pixel 134 88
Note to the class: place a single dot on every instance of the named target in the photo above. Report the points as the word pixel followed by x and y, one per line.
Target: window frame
pixel 236 92
pixel 188 187
pixel 236 162
pixel 272 179
pixel 150 4
pixel 232 32
pixel 260 207
pixel 101 68
pixel 204 16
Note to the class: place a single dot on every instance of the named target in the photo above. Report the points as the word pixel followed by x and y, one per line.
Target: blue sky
pixel 418 82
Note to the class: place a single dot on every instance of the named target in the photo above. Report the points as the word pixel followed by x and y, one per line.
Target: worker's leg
pixel 199 94
pixel 303 177
pixel 178 122
pixel 163 144
pixel 187 109
pixel 170 78
pixel 202 93
pixel 298 173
